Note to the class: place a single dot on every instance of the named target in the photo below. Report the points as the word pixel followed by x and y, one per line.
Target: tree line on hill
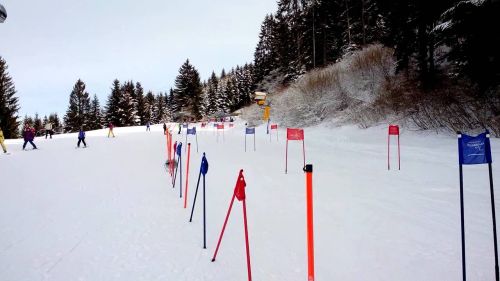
pixel 436 44
pixel 430 39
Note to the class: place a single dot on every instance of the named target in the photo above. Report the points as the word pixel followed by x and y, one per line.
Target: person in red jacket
pixel 110 132
pixel 29 136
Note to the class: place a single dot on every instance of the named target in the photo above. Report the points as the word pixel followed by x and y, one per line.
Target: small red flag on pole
pixel 393 131
pixel 294 134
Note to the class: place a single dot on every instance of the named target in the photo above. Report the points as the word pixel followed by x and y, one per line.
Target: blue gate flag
pixel 179 148
pixel 185 125
pixel 191 131
pixel 474 150
pixel 204 165
pixel 250 131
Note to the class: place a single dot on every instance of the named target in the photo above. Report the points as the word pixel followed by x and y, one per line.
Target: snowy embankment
pixel 109 212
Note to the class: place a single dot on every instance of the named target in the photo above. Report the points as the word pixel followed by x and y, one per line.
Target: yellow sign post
pixel 267 112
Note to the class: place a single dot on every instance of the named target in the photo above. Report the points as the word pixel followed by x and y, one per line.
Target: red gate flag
pixel 220 126
pixel 273 127
pixel 239 189
pixel 393 131
pixel 294 134
pixel 239 192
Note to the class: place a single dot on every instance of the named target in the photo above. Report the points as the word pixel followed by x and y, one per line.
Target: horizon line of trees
pixel 431 39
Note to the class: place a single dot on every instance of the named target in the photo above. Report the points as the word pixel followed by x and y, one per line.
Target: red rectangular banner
pixel 274 127
pixel 294 134
pixel 220 127
pixel 393 130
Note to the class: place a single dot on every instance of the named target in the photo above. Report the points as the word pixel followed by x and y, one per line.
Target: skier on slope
pixel 81 137
pixel 28 136
pixel 180 129
pixel 164 128
pixel 2 139
pixel 148 126
pixel 48 130
pixel 110 132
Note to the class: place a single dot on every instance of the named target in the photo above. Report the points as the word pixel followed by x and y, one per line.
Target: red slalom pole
pixel 399 155
pixel 249 269
pixel 388 151
pixel 286 157
pixel 310 233
pixel 187 176
pixel 223 227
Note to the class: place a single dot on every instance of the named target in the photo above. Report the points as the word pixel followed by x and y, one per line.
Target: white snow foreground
pixel 109 212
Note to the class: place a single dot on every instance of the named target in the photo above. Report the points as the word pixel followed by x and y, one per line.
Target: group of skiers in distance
pixel 29 134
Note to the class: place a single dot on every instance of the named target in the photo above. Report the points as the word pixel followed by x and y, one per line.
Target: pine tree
pixel 77 114
pixel 188 91
pixel 140 107
pixel 37 124
pixel 160 109
pixel 127 104
pixel 474 51
pixel 96 118
pixel 211 105
pixel 113 114
pixel 9 103
pixel 149 107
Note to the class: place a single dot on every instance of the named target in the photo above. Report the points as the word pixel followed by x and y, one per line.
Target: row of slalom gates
pixel 174 161
pixel 472 150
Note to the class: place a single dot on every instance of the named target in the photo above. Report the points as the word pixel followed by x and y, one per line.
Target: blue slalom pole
pixel 203 171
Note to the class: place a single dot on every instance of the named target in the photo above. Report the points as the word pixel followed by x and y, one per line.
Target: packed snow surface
pixel 109 212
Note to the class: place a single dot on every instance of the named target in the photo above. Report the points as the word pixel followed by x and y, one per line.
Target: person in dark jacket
pixel 110 132
pixel 164 128
pixel 81 137
pixel 28 136
pixel 148 126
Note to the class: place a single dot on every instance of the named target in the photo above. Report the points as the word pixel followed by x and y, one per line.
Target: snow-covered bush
pixel 345 90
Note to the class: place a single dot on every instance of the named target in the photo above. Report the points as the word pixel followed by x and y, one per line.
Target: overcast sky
pixel 49 44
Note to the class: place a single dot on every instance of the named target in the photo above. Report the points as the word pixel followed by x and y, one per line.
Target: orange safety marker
pixel 310 233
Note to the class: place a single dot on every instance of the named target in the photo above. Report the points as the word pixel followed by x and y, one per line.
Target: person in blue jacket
pixel 81 137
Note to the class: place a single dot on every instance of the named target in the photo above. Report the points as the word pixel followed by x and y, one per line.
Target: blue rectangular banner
pixel 474 150
pixel 250 131
pixel 191 131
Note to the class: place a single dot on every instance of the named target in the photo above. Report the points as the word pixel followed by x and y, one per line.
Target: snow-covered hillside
pixel 109 212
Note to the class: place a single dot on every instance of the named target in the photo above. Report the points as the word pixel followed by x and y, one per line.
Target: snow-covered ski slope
pixel 109 212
